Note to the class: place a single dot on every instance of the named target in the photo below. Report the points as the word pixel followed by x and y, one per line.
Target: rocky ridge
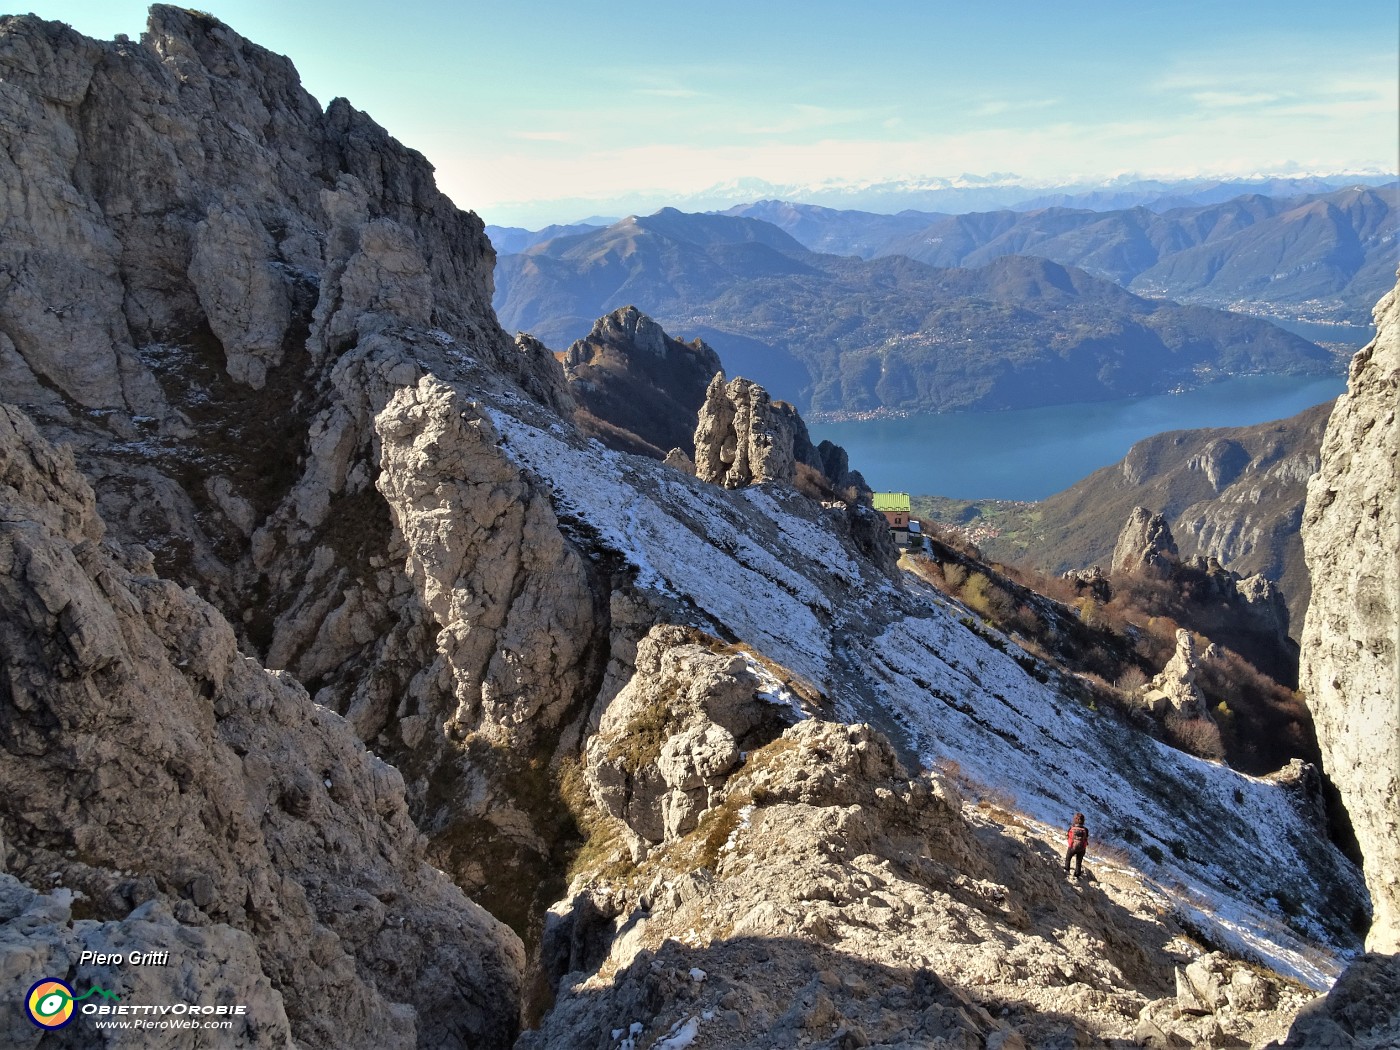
pixel 831 896
pixel 1351 639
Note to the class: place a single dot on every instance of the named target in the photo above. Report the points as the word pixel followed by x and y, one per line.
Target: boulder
pixel 668 742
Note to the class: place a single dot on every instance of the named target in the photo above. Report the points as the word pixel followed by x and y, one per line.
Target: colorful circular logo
pixel 50 1003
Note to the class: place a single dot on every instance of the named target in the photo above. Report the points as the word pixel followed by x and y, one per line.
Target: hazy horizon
pixel 535 113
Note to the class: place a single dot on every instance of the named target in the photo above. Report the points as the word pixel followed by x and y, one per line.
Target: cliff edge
pixel 1351 638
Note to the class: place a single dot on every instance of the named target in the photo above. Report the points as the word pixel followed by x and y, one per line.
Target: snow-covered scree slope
pixel 767 568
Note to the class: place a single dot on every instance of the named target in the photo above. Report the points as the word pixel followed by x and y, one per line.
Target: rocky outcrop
pixel 1174 689
pixel 1351 640
pixel 629 374
pixel 1093 580
pixel 1247 614
pixel 639 390
pixel 159 775
pixel 668 741
pixel 1358 1013
pixel 743 437
pixel 1265 610
pixel 1219 1001
pixel 829 898
pixel 1145 545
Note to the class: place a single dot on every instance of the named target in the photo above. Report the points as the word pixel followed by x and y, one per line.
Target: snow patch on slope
pixel 761 565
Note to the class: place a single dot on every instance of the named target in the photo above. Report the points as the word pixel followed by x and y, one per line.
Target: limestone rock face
pixel 149 764
pixel 242 293
pixel 182 226
pixel 510 597
pixel 1145 545
pixel 743 437
pixel 210 287
pixel 1247 614
pixel 324 431
pixel 1351 638
pixel 1358 1012
pixel 1221 461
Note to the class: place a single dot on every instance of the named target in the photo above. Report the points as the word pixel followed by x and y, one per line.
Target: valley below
pixel 1030 454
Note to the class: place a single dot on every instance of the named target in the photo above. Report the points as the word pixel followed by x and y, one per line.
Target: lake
pixel 1032 453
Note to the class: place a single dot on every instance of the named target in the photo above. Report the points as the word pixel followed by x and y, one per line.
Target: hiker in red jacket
pixel 1078 843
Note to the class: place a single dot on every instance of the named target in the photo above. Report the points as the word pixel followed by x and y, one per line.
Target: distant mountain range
pixel 962 193
pixel 509 239
pixel 1327 257
pixel 863 233
pixel 842 336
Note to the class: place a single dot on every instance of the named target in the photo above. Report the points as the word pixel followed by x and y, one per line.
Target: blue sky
pixel 543 111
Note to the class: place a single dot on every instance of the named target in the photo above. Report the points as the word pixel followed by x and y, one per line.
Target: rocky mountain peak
pixel 639 389
pixel 628 326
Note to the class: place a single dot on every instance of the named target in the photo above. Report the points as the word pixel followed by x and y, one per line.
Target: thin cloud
pixel 671 92
pixel 998 106
pixel 1221 142
pixel 1232 99
pixel 544 136
pixel 802 117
